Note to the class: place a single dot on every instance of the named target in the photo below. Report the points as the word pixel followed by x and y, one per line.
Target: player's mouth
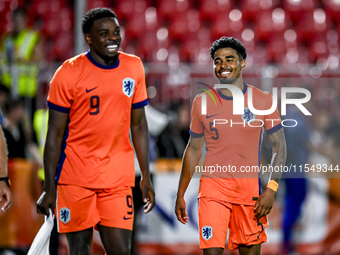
pixel 224 73
pixel 112 48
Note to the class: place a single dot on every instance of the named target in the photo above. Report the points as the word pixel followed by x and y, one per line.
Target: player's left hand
pixel 148 194
pixel 5 193
pixel 265 203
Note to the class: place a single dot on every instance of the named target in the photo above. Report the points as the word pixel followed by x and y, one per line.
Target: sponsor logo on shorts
pixel 127 218
pixel 207 232
pixel 65 215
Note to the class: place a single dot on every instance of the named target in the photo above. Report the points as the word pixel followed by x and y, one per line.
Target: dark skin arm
pixel 192 155
pixel 5 192
pixel 56 128
pixel 265 202
pixel 140 139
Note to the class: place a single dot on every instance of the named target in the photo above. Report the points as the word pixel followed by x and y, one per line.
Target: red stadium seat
pixel 97 3
pixel 251 8
pixel 313 24
pixel 210 8
pixel 297 8
pixel 270 23
pixel 332 8
pixel 230 24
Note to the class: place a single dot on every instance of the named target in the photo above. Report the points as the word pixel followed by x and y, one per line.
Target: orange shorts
pixel 79 208
pixel 215 217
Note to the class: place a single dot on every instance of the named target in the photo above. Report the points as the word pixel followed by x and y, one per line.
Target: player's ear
pixel 88 39
pixel 243 64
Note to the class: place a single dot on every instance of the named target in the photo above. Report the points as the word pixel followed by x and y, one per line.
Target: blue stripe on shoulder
pixel 140 104
pixel 274 129
pixel 196 135
pixel 58 108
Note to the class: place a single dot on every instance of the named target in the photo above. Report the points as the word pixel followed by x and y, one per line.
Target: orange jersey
pixel 96 152
pixel 233 145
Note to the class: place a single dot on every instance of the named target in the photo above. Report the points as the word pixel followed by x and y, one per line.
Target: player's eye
pixel 117 32
pixel 104 34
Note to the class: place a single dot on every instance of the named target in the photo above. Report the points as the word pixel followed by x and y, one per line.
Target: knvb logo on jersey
pixel 128 86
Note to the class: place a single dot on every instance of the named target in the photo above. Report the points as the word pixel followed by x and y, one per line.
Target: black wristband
pixel 6 179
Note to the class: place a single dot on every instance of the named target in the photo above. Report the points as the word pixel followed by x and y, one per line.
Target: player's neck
pixel 238 83
pixel 103 60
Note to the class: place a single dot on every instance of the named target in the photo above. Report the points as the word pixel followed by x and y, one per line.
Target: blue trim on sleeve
pixel 274 129
pixel 140 104
pixel 1 119
pixel 100 65
pixel 196 135
pixel 58 108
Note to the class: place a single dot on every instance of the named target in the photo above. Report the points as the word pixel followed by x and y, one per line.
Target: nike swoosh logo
pixel 89 90
pixel 211 115
pixel 127 218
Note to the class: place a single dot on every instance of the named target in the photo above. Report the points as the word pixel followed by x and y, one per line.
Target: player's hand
pixel 5 193
pixel 46 202
pixel 148 194
pixel 265 203
pixel 181 214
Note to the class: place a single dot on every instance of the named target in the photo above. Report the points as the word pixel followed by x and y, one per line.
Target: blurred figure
pixel 298 143
pixel 172 142
pixel 4 96
pixel 157 121
pixel 21 52
pixel 5 192
pixel 18 136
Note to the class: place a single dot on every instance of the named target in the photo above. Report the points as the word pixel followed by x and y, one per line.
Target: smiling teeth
pixel 225 73
pixel 112 47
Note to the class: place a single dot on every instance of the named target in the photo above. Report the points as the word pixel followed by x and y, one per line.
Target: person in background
pixel 19 136
pixel 157 121
pixel 5 192
pixel 298 145
pixel 21 52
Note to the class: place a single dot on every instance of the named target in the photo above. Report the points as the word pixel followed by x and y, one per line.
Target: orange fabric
pixel 99 106
pixel 86 207
pixel 244 228
pixel 232 145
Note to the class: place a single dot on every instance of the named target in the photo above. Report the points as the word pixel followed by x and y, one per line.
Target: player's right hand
pixel 181 214
pixel 46 202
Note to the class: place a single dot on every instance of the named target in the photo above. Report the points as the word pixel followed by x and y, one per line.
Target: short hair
pixel 94 14
pixel 228 42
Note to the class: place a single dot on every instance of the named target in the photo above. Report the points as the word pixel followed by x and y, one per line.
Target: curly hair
pixel 94 14
pixel 228 42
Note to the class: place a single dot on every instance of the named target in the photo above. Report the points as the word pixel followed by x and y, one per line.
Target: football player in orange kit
pixel 231 199
pixel 95 98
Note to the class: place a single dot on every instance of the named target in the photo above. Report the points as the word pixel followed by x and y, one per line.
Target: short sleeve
pixel 60 95
pixel 272 121
pixel 196 125
pixel 140 98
